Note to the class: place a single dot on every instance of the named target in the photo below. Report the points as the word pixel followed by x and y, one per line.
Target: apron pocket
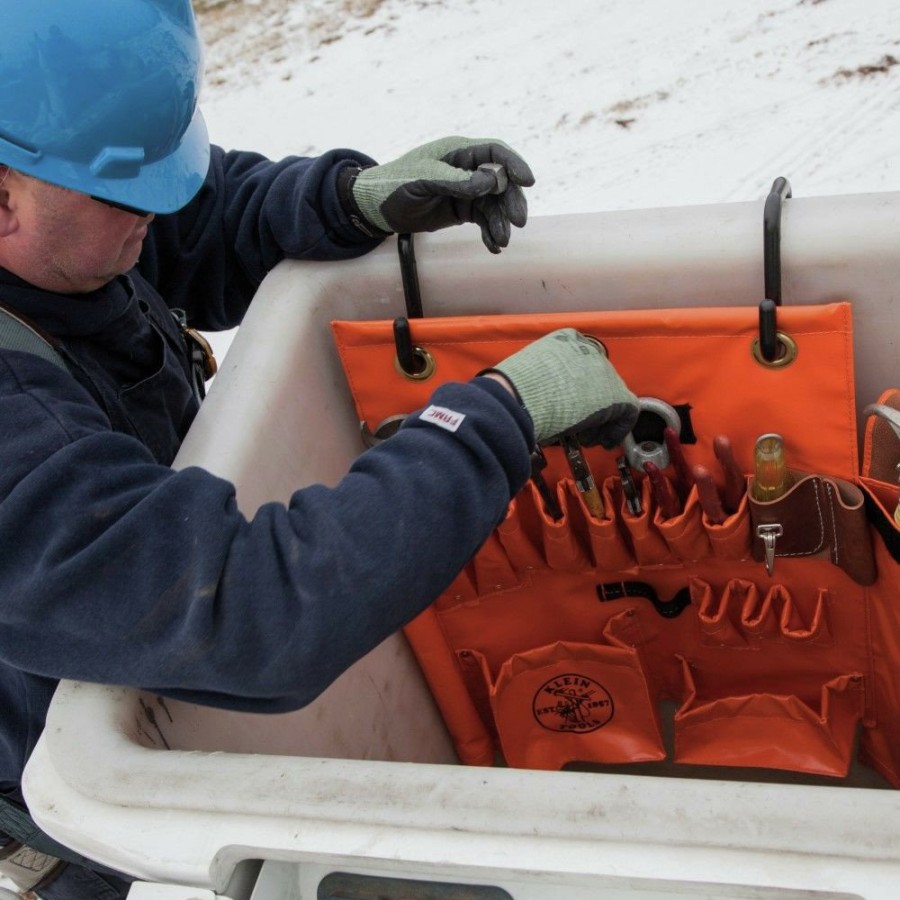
pixel 684 534
pixel 778 731
pixel 573 702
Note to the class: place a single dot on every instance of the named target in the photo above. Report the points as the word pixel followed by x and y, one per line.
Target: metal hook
pixel 768 326
pixel 409 273
pixel 412 361
pixel 409 361
pixel 404 345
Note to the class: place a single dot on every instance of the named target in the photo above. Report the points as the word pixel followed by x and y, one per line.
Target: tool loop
pixel 620 590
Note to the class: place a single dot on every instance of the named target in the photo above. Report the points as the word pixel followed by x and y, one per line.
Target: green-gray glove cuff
pixel 346 182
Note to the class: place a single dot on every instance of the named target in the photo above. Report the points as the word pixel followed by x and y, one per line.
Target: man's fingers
pixel 517 170
pixel 493 219
pixel 487 237
pixel 473 154
pixel 516 205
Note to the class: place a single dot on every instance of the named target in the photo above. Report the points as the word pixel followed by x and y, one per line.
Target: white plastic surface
pixel 362 779
pixel 146 891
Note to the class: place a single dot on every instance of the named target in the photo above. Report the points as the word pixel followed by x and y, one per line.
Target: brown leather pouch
pixel 818 517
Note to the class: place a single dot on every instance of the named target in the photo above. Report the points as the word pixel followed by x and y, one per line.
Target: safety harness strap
pixel 16 823
pixel 17 333
pixel 32 856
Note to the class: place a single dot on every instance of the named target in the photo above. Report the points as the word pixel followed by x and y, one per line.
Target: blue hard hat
pixel 100 96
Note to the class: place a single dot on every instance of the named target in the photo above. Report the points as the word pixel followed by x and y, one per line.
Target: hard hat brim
pixel 164 186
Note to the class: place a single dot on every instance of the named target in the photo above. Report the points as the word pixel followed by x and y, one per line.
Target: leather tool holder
pixel 821 518
pixel 573 640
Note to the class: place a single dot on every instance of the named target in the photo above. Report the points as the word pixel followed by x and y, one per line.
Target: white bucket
pixel 363 780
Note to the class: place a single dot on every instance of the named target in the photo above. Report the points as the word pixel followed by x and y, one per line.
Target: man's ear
pixel 8 220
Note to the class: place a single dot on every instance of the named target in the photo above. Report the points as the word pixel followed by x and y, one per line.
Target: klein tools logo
pixel 572 703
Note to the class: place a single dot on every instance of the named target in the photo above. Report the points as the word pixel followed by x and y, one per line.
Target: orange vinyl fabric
pixel 563 638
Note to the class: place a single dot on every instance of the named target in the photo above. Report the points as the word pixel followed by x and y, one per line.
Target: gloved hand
pixel 440 184
pixel 569 387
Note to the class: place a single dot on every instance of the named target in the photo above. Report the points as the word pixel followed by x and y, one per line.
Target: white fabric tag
pixel 444 418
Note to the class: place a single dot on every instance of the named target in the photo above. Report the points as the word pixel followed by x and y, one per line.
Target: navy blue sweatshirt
pixel 116 569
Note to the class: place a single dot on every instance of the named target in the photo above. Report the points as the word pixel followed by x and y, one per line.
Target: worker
pixel 117 569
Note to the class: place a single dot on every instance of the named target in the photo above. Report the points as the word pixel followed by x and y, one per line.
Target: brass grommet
pixel 425 365
pixel 787 351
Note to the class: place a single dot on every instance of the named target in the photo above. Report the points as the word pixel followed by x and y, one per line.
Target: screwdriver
pixel 584 479
pixel 772 478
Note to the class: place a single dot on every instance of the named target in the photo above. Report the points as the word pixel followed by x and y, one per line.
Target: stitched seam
pixel 821 528
pixel 834 545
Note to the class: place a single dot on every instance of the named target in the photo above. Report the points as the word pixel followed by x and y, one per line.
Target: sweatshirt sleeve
pixel 210 257
pixel 118 570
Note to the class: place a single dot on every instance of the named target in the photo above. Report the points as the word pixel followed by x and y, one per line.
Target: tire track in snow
pixel 822 140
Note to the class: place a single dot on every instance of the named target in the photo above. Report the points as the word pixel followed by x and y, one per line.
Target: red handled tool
pixel 684 480
pixel 708 495
pixel 667 501
pixel 734 478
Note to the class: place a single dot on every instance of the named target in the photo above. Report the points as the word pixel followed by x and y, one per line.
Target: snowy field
pixel 615 103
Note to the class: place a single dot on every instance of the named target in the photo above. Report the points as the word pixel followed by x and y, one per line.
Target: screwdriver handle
pixel 594 502
pixel 771 475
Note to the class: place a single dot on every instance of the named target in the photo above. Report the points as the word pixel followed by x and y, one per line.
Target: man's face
pixel 65 241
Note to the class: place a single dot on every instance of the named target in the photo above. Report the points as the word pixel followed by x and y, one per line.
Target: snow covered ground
pixel 615 103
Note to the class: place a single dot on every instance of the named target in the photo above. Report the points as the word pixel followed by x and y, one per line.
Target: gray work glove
pixel 441 184
pixel 569 387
